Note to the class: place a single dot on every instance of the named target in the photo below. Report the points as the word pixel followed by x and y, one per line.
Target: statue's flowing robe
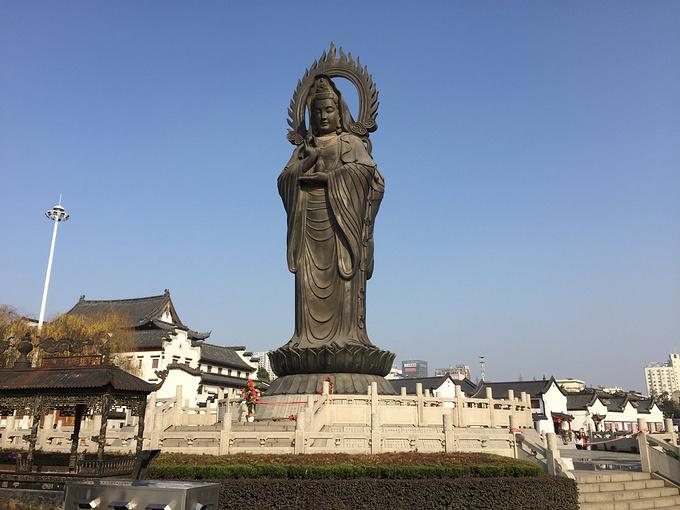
pixel 330 242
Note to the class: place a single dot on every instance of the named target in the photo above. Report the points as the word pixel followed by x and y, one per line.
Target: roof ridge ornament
pixel 336 64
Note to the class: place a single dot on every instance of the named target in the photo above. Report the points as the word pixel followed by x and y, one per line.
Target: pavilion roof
pixel 98 378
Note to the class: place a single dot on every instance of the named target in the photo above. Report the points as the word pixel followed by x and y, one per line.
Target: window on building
pixel 175 359
pixel 209 368
pixel 139 362
pixel 154 362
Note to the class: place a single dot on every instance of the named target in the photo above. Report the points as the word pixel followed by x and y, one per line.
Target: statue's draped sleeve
pixel 289 190
pixel 355 189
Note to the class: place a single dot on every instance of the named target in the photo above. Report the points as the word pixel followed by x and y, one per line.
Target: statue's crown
pixel 323 89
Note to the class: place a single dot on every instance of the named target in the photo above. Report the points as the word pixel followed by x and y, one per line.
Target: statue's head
pixel 328 112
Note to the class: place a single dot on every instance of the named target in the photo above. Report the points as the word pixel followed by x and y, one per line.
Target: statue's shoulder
pixel 354 150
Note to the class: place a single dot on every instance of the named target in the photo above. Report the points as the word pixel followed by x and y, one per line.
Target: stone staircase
pixel 625 491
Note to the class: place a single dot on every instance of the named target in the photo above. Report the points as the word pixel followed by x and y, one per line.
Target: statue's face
pixel 325 116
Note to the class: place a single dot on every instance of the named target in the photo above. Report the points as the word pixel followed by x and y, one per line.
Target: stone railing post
pixel 642 445
pixel 458 415
pixel 551 453
pixel 670 429
pixel 402 391
pixel 420 403
pixel 449 440
pixel 514 431
pixel 326 388
pixel 177 408
pixel 225 431
pixel 309 413
pixel 299 434
pixel 376 436
pixel 489 403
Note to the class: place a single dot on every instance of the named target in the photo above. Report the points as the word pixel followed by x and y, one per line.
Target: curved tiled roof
pixel 137 310
pixel 68 378
pixel 500 389
pixel 430 383
pixel 211 353
pixel 581 400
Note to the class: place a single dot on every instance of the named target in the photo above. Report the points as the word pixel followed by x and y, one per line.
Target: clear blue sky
pixel 531 152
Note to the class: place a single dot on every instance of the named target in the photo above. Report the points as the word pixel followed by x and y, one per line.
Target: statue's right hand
pixel 310 152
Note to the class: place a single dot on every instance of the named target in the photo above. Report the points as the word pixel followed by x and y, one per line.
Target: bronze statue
pixel 331 190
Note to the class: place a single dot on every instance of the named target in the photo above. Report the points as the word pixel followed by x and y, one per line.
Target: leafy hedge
pixel 531 493
pixel 341 466
pixel 338 471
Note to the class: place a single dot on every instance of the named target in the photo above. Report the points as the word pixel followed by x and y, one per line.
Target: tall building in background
pixel 413 368
pixel 458 372
pixel 663 377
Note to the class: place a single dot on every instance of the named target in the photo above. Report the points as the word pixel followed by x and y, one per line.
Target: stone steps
pixel 625 491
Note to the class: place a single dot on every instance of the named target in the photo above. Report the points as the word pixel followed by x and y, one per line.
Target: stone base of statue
pixel 350 369
pixel 342 383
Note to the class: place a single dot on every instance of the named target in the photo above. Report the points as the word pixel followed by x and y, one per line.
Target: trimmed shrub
pixel 533 493
pixel 339 471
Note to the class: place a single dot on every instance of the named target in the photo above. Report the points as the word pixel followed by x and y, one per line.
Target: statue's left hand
pixel 315 178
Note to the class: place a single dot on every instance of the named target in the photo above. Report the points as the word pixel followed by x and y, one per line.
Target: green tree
pixel 669 407
pixel 108 336
pixel 263 375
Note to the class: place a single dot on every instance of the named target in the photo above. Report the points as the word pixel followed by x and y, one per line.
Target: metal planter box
pixel 141 495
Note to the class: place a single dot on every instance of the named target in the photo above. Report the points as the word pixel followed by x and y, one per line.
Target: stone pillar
pixel 420 404
pixel 458 415
pixel 225 431
pixel 489 403
pixel 309 412
pixel 300 434
pixel 523 397
pixel 642 445
pixel 326 388
pixel 376 436
pixel 178 405
pixel 449 440
pixel 427 393
pixel 515 431
pixel 511 395
pixel 551 453
pixel 670 429
pixel 402 391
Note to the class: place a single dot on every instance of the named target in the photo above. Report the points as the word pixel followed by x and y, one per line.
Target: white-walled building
pixel 663 377
pixel 548 401
pixel 442 386
pixel 596 410
pixel 161 342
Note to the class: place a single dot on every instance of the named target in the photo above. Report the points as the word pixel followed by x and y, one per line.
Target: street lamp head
pixel 57 213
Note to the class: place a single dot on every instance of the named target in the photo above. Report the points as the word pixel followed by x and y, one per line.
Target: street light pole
pixel 57 214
